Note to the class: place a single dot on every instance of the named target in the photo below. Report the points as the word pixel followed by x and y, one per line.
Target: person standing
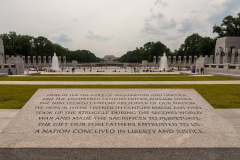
pixel 9 71
pixel 201 70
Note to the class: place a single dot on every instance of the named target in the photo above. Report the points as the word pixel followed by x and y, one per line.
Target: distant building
pixel 109 58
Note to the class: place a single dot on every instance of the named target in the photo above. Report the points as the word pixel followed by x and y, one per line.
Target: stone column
pixel 233 56
pixel 7 57
pixel 211 56
pixel 174 61
pixel 44 61
pixel 225 58
pixel 179 60
pixel 154 60
pixel 34 61
pixel 219 56
pixel 195 60
pixel 59 60
pixel 159 60
pixel 50 60
pixel 169 60
pixel 238 56
pixel 24 59
pixel 184 60
pixel 64 60
pixel 39 60
pixel 29 60
pixel 190 60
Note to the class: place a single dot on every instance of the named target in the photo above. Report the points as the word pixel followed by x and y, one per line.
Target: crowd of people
pixel 133 69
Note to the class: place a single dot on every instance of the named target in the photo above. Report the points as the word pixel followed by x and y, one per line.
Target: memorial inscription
pixel 115 113
pixel 118 118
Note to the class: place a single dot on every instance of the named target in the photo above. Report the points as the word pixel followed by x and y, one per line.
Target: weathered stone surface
pixel 118 118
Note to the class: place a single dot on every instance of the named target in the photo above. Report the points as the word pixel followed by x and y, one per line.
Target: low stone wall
pixel 222 69
pixel 4 69
pixel 3 75
pixel 227 75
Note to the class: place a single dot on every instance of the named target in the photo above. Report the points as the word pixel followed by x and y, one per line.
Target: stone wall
pixel 227 68
pixel 18 62
pixel 174 61
pixel 42 61
pixel 4 69
pixel 227 50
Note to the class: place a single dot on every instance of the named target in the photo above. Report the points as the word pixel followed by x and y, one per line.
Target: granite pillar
pixel 174 60
pixel 195 60
pixel 29 60
pixel 7 57
pixel 159 59
pixel 190 60
pixel 24 59
pixel 44 61
pixel 39 60
pixel 169 60
pixel 154 60
pixel 49 60
pixel 184 60
pixel 238 56
pixel 64 60
pixel 34 61
pixel 179 60
pixel 59 60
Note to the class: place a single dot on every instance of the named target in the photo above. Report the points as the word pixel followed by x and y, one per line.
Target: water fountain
pixel 55 63
pixel 164 63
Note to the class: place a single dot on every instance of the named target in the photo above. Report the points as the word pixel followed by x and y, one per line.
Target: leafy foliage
pixel 147 52
pixel 230 26
pixel 196 45
pixel 29 46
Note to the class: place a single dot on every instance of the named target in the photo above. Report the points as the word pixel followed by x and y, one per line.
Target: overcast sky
pixel 114 26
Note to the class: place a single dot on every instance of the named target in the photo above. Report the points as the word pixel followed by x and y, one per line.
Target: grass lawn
pixel 118 78
pixel 219 96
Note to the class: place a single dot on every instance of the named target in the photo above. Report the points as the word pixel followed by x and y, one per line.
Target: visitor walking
pixel 202 71
pixel 193 70
pixel 9 71
pixel 73 70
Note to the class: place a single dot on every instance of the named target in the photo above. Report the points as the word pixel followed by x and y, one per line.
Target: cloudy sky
pixel 114 26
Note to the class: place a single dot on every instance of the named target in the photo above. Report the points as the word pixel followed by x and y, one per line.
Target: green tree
pixel 29 46
pixel 147 52
pixel 196 45
pixel 230 26
pixel 43 47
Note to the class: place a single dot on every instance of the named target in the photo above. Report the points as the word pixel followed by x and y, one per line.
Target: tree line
pixel 25 45
pixel 193 44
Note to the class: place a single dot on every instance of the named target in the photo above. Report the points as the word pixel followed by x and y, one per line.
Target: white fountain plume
pixel 164 63
pixel 55 63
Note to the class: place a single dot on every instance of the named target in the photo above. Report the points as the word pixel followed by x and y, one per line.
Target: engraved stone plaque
pixel 118 118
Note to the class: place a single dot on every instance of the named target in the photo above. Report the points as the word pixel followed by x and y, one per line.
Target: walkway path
pixel 115 82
